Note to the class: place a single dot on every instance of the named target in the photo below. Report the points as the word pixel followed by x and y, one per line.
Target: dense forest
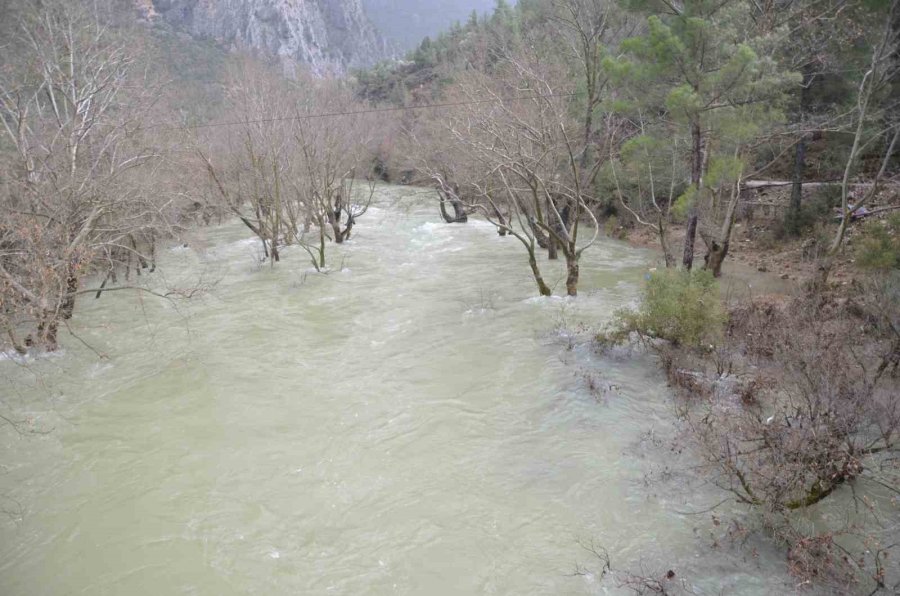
pixel 760 135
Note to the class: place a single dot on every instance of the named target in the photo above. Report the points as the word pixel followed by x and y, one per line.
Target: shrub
pixel 879 249
pixel 613 229
pixel 677 306
pixel 822 428
pixel 814 211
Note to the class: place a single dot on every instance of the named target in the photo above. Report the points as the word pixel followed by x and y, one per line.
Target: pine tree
pixel 701 66
pixel 472 23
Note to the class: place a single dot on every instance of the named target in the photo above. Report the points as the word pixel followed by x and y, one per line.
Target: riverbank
pixel 743 272
pixel 791 403
pixel 783 265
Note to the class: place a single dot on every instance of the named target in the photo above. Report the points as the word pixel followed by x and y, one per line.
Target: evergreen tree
pixel 699 63
pixel 472 24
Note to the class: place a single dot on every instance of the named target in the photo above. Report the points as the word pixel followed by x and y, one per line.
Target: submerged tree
pixel 525 149
pixel 282 168
pixel 251 162
pixel 330 154
pixel 74 101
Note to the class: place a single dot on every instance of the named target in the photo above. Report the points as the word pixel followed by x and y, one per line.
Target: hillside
pixel 408 22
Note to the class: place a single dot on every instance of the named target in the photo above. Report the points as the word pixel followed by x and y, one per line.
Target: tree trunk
pixel 334 221
pixel 552 243
pixel 588 129
pixel 334 217
pixel 792 217
pixel 664 242
pixel 349 229
pixel 717 248
pixel 446 216
pixel 103 285
pixel 571 273
pixel 543 288
pixel 19 348
pixel 716 256
pixel 47 331
pixel 502 228
pixel 50 333
pixel 459 211
pixel 690 236
pixel 539 236
pixel 336 228
pixel 142 262
pixel 823 272
pixel 152 251
pixel 338 206
pixel 67 308
pixel 696 154
pixel 687 260
pixel 51 336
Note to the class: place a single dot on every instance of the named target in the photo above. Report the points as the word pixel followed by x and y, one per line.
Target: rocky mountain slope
pixel 327 35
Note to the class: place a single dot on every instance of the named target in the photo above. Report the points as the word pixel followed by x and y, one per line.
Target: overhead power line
pixel 450 104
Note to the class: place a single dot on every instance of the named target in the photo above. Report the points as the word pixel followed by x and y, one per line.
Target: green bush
pixel 679 307
pixel 613 229
pixel 879 249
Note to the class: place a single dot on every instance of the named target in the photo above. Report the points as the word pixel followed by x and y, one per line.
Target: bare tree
pixel 330 156
pixel 286 172
pixel 73 105
pixel 721 195
pixel 250 163
pixel 646 188
pixel 590 28
pixel 872 110
pixel 521 155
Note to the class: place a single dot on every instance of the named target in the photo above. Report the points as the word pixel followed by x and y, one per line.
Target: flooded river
pixel 413 422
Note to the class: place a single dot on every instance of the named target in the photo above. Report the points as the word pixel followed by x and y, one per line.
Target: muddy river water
pixel 414 422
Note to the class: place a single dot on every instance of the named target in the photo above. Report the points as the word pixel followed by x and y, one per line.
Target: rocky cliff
pixel 326 35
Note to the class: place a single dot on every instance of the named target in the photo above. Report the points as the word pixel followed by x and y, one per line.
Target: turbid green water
pixel 412 424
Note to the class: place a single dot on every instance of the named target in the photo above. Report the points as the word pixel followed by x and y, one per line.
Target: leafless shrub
pixel 826 420
pixel 665 583
pixel 642 582
pixel 600 388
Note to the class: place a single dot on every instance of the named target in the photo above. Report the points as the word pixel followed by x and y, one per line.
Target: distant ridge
pixel 407 22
